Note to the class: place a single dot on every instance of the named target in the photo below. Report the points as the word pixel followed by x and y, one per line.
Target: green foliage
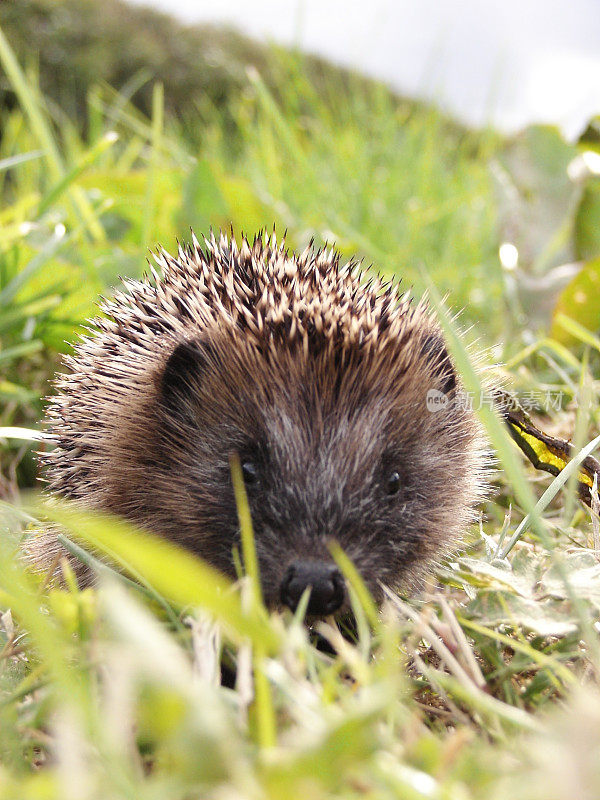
pixel 113 691
pixel 75 45
pixel 587 221
pixel 580 299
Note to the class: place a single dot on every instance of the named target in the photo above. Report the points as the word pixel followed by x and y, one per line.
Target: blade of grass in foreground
pixel 267 727
pixel 100 568
pixel 18 593
pixel 247 534
pixel 173 571
pixel 356 582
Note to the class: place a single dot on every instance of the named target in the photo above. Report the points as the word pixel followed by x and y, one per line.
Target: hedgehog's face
pixel 367 465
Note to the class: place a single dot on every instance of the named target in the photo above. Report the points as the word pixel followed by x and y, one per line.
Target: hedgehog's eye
pixel 249 472
pixel 393 483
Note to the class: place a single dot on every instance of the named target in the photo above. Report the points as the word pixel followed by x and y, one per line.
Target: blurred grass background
pixel 121 129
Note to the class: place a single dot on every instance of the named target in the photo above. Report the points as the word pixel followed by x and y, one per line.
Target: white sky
pixel 508 62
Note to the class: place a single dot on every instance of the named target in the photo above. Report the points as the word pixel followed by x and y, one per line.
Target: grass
pixel 483 686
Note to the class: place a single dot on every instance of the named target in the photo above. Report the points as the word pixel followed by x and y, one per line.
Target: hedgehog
pixel 318 374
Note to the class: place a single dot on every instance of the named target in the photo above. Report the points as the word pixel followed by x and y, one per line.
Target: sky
pixel 504 62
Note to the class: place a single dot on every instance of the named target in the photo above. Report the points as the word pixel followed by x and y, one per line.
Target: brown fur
pixel 300 365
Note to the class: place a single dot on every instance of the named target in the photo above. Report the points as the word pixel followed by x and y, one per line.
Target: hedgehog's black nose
pixel 326 583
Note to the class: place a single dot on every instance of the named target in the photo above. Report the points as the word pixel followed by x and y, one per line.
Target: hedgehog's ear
pixel 434 349
pixel 183 371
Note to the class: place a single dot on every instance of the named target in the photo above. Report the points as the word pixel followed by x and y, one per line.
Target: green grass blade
pixel 21 158
pixel 186 581
pixel 50 248
pixel 356 582
pixel 550 493
pixel 247 534
pixel 267 728
pixel 578 331
pixel 31 105
pixel 21 350
pixel 158 111
pixel 67 180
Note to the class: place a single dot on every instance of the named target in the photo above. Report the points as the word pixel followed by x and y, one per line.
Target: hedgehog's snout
pixel 325 581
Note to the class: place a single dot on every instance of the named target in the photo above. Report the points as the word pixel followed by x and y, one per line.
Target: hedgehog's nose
pixel 325 581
